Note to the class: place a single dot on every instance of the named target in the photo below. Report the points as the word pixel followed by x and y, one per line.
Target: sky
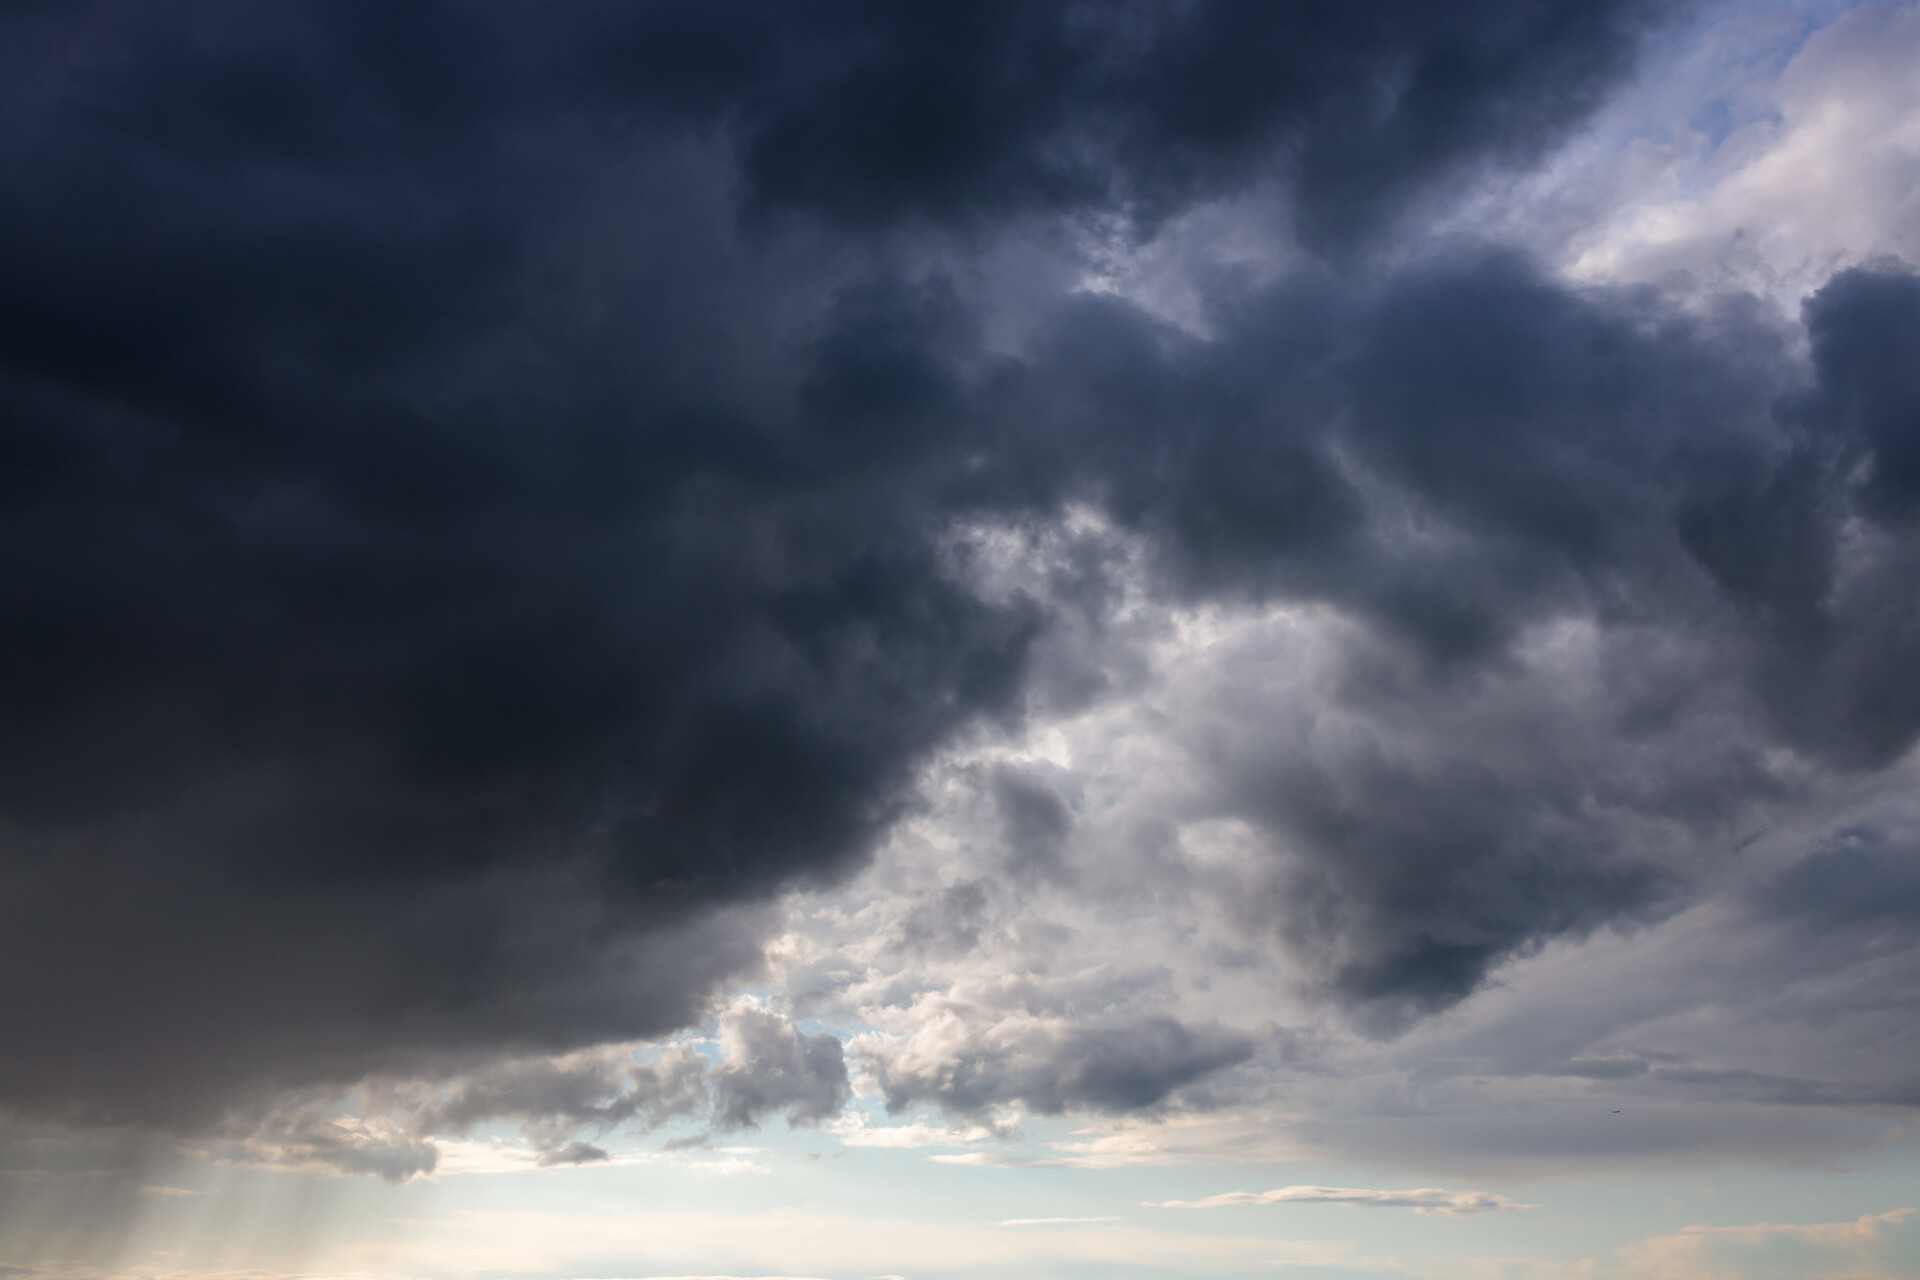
pixel 822 640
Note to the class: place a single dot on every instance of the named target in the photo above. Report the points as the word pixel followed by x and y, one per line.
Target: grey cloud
pixel 1535 703
pixel 1748 1084
pixel 1862 880
pixel 309 1140
pixel 1555 448
pixel 772 1066
pixel 576 1152
pixel 1622 1068
pixel 1865 325
pixel 1537 700
pixel 564 1106
pixel 949 923
pixel 1053 1065
pixel 554 1098
pixel 1034 822
pixel 1764 1021
pixel 690 1142
pixel 1834 645
pixel 1380 900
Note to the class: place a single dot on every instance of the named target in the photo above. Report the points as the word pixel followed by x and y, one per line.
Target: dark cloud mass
pixel 476 486
pixel 957 110
pixel 413 632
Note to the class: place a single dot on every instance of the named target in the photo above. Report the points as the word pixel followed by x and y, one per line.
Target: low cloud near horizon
pixel 1433 1200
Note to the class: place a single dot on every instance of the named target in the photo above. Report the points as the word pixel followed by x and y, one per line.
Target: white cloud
pixel 1432 1200
pixel 1773 182
pixel 1871 1247
pixel 730 1161
pixel 860 1133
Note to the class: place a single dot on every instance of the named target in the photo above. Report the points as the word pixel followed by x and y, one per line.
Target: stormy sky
pixel 1058 638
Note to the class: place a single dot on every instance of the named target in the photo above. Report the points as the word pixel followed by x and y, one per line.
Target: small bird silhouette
pixel 1616 1113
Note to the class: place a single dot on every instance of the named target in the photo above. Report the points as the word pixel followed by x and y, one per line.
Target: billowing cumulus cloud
pixel 772 1065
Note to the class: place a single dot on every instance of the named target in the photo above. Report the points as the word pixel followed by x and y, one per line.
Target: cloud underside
pixel 766 1067
pixel 491 500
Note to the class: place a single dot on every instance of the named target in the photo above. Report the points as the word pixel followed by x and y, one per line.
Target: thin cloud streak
pixel 1428 1200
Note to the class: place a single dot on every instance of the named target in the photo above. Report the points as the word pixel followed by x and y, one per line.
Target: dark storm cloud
pixel 865 114
pixel 1865 326
pixel 962 111
pixel 1821 547
pixel 447 571
pixel 416 624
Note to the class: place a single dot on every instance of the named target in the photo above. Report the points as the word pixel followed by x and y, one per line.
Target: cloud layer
pixel 494 498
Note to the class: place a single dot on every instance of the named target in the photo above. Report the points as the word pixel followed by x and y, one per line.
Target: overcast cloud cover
pixel 1125 586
